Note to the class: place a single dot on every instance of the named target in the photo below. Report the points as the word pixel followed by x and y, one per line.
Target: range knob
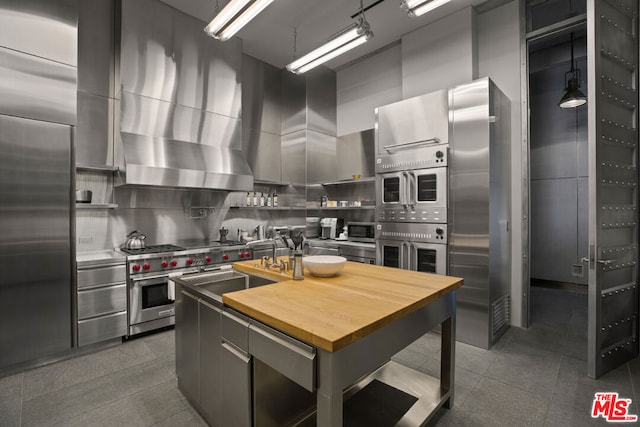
pixel 241 254
pixel 439 231
pixel 189 261
pixel 208 259
pixel 174 263
pixel 146 266
pixel 165 264
pixel 136 267
pixel 247 254
pixel 439 154
pixel 225 257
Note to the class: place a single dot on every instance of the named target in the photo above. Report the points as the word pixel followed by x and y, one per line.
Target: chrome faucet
pixel 273 243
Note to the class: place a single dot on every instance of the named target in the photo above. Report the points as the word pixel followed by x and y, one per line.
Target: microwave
pixel 361 232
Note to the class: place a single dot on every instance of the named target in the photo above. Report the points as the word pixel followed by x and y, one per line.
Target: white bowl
pixel 324 265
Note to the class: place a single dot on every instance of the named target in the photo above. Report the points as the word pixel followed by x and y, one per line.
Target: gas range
pixel 150 271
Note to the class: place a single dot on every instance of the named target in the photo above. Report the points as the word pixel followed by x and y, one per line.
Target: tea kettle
pixel 135 240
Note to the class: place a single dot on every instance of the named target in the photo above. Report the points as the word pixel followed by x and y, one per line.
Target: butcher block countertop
pixel 331 313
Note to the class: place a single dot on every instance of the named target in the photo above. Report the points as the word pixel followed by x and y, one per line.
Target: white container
pixel 324 265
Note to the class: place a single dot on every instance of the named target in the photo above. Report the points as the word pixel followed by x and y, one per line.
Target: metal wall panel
pixel 294 103
pixel 170 58
pixel 96 47
pixel 321 157
pixel 261 96
pixel 321 100
pixel 94 134
pixel 355 154
pixel 263 152
pixel 35 224
pixel 554 223
pixel 294 158
pixel 37 88
pixel 42 28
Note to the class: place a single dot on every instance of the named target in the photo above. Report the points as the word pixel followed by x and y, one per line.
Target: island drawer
pixel 290 357
pixel 98 301
pixel 102 328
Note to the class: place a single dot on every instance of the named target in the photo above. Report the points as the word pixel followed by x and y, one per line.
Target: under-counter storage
pixel 101 303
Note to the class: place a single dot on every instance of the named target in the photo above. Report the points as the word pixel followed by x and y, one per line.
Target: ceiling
pixel 269 37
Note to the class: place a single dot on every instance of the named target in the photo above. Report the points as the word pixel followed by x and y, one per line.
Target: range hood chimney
pixel 179 104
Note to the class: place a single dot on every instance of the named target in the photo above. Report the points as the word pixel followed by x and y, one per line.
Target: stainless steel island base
pixel 339 370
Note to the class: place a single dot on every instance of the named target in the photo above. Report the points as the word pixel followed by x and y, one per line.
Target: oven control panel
pixel 180 261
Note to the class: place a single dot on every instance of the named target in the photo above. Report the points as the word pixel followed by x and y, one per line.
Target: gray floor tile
pixel 162 345
pixel 55 407
pixel 429 343
pixel 530 369
pixel 541 337
pixel 472 358
pixel 144 408
pixel 575 389
pixel 450 418
pixel 85 368
pixel 465 381
pixel 11 400
pixel 567 416
pixel 410 358
pixel 493 403
pixel 187 418
pixel 575 347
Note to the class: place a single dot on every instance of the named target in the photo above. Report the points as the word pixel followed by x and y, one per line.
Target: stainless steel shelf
pixel 365 208
pixel 96 206
pixel 266 208
pixel 88 168
pixel 351 181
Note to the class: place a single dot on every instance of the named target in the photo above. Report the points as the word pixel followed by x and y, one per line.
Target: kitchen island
pixel 355 322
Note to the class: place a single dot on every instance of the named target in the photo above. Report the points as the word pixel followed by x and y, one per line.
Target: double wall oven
pixel 412 183
pixel 150 271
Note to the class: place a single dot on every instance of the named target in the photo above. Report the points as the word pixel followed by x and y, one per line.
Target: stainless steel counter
pixel 102 258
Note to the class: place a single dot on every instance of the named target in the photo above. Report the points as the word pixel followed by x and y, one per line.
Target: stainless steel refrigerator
pixel 35 239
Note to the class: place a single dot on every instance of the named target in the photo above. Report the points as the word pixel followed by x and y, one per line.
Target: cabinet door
pixel 187 348
pixel 236 377
pixel 210 357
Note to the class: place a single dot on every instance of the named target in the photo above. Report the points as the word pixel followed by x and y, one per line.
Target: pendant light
pixel 347 39
pixel 572 97
pixel 235 15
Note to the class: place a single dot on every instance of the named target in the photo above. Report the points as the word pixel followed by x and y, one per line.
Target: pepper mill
pixel 298 269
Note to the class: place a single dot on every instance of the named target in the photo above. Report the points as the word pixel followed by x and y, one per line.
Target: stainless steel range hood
pixel 163 162
pixel 179 104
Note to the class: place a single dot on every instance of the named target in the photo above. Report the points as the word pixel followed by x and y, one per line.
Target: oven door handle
pixel 413 183
pixel 406 256
pixel 404 192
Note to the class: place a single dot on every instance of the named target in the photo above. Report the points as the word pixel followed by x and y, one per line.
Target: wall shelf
pixel 326 208
pixel 89 168
pixel 351 181
pixel 96 206
pixel 272 208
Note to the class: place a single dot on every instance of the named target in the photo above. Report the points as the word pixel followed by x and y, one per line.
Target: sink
pixel 216 283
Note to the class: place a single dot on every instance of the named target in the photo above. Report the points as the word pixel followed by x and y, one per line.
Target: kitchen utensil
pixel 259 232
pixel 297 240
pixel 83 196
pixel 324 265
pixel 223 234
pixel 298 267
pixel 135 240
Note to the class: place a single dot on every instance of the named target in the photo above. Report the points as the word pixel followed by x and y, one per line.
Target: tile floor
pixel 534 377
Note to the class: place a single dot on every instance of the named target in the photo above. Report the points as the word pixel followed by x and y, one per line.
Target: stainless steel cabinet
pixel 187 346
pixel 102 303
pixel 210 360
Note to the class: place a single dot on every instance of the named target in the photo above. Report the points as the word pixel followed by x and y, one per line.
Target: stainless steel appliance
pixel 361 232
pixel 413 186
pixel 417 247
pixel 331 228
pixel 443 186
pixel 364 253
pixel 149 278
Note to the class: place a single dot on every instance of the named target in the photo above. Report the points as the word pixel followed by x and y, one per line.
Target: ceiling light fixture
pixel 420 7
pixel 235 15
pixel 347 39
pixel 572 97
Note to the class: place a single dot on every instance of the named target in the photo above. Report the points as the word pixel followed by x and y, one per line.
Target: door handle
pixel 605 261
pixel 584 259
pixel 405 256
pixel 413 182
pixel 403 189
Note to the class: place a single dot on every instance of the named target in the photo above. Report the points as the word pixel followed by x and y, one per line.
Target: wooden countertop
pixel 331 313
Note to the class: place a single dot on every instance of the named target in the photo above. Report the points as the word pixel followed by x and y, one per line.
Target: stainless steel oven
pixel 408 193
pixel 412 246
pixel 152 300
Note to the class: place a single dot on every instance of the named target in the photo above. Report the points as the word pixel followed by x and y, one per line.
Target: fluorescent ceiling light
pixel 420 7
pixel 235 15
pixel 352 36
